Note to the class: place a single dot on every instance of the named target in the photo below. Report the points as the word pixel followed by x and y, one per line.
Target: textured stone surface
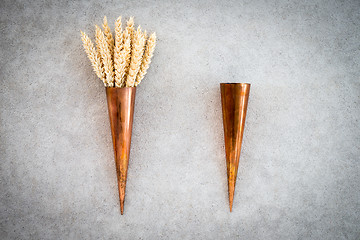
pixel 299 169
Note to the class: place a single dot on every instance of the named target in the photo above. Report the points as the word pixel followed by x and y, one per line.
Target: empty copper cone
pixel 234 100
pixel 121 110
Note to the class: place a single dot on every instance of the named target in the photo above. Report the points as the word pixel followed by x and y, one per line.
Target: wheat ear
pixel 136 56
pixel 98 43
pixel 123 64
pixel 106 57
pixel 128 45
pixel 130 28
pixel 149 51
pixel 93 56
pixel 118 56
pixel 109 37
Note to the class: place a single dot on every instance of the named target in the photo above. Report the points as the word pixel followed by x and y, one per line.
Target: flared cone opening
pixel 121 103
pixel 243 84
pixel 234 101
pixel 117 88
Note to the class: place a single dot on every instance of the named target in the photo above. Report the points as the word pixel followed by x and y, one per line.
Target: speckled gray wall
pixel 299 169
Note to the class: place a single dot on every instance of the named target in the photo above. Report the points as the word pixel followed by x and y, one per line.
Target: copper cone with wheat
pixel 121 63
pixel 234 100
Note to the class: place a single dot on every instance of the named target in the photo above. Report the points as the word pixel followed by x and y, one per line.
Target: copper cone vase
pixel 234 100
pixel 121 103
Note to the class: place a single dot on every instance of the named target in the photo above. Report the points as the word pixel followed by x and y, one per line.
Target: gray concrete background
pixel 299 169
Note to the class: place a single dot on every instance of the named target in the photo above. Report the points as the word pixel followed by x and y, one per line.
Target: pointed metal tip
pixel 231 203
pixel 122 200
pixel 231 194
pixel 122 207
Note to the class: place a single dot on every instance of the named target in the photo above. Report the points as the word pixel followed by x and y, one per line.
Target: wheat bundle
pixel 122 60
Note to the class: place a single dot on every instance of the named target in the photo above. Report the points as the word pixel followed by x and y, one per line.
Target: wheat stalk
pixel 109 37
pixel 149 51
pixel 106 57
pixel 136 56
pixel 93 56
